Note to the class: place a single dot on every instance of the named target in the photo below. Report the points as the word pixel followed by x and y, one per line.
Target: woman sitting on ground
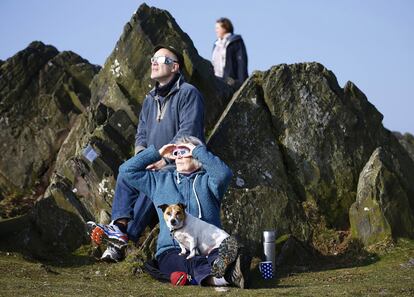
pixel 199 181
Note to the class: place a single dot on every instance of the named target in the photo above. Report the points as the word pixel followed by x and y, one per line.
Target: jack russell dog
pixel 194 234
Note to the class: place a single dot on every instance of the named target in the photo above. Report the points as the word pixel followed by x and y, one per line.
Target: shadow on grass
pixel 80 257
pixel 298 258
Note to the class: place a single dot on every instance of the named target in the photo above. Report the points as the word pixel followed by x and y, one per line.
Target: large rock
pixel 42 92
pixel 407 141
pixel 327 133
pixel 260 196
pixel 296 142
pixel 384 207
pixel 294 125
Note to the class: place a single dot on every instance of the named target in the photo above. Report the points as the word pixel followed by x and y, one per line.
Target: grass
pixel 387 274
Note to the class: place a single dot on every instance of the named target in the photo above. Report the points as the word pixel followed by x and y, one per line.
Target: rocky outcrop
pixel 325 133
pixel 310 134
pixel 117 94
pixel 384 206
pixel 297 143
pixel 42 92
pixel 407 141
pixel 260 196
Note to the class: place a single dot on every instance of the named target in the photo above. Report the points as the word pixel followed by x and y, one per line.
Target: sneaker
pixel 113 254
pixel 227 253
pixel 107 233
pixel 180 278
pixel 238 273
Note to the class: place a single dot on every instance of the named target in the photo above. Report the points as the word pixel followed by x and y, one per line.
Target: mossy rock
pixel 43 91
pixel 384 207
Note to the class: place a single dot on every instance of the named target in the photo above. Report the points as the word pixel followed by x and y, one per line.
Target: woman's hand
pixel 190 146
pixel 166 151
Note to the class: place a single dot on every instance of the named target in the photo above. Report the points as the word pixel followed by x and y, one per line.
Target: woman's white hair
pixel 190 139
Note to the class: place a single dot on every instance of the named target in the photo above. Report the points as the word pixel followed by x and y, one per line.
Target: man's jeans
pixel 129 203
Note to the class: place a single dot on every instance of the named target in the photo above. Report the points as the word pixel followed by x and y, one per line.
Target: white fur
pixel 195 234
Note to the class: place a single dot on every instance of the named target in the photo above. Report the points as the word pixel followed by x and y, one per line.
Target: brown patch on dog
pixel 173 211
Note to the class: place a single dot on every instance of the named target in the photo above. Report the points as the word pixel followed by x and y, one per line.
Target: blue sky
pixel 368 42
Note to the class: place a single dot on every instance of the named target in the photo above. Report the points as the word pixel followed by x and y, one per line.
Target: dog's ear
pixel 183 206
pixel 163 207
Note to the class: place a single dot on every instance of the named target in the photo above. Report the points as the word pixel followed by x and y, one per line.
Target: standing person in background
pixel 229 54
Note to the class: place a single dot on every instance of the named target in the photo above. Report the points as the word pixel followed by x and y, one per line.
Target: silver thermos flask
pixel 269 246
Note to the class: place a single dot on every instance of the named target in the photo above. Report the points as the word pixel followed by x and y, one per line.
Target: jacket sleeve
pixel 137 176
pixel 241 59
pixel 141 135
pixel 191 115
pixel 219 174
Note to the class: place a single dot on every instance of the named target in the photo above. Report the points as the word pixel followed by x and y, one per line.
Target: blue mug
pixel 266 269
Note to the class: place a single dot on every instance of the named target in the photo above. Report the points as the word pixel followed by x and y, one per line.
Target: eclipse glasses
pixel 180 152
pixel 163 60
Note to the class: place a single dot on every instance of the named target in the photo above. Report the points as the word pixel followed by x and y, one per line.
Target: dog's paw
pixel 189 257
pixel 181 254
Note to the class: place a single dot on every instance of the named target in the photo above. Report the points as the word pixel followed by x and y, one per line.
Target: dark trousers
pixel 199 267
pixel 129 203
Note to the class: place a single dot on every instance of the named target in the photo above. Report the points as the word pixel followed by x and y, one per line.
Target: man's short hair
pixel 180 59
pixel 226 24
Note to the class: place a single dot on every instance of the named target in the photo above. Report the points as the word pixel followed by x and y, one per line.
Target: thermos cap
pixel 269 235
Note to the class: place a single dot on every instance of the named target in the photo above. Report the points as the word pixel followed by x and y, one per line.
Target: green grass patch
pixel 390 273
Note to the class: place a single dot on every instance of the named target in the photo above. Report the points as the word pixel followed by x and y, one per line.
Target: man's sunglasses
pixel 163 60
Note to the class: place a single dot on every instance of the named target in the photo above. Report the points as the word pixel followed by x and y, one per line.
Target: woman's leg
pixel 198 267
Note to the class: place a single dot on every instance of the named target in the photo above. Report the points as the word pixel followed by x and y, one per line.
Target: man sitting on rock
pixel 172 109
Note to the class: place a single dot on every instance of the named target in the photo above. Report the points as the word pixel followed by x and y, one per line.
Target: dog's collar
pixel 173 230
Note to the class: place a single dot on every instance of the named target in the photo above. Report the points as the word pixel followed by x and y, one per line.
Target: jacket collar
pixel 229 39
pixel 189 176
pixel 174 88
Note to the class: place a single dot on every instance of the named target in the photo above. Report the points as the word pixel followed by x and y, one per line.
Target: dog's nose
pixel 173 222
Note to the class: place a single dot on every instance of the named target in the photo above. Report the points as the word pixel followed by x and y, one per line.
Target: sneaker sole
pixel 238 274
pixel 245 261
pixel 108 259
pixel 91 226
pixel 228 251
